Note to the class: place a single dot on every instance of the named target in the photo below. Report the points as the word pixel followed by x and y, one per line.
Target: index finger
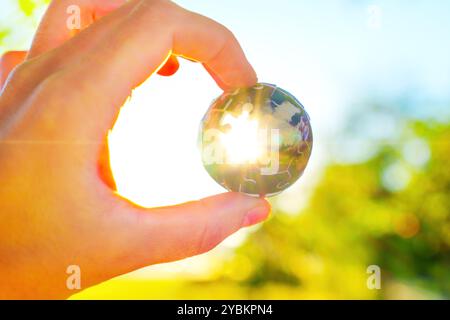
pixel 202 39
pixel 150 33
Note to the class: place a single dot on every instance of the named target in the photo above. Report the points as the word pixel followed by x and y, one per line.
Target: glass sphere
pixel 256 140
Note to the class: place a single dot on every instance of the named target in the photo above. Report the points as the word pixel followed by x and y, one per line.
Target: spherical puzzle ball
pixel 256 140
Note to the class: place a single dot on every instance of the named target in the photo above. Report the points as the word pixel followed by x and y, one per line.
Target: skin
pixel 57 202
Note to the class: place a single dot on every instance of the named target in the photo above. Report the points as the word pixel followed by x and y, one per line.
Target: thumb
pixel 173 233
pixel 8 62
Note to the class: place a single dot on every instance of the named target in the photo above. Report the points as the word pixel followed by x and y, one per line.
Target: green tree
pixel 358 217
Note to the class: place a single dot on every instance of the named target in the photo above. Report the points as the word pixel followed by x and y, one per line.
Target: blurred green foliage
pixel 23 13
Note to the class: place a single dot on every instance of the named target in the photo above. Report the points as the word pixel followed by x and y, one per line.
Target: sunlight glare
pixel 241 141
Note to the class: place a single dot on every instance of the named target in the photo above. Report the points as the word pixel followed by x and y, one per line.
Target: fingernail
pixel 255 216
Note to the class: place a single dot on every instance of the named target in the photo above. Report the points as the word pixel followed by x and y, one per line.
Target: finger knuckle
pixel 210 234
pixel 28 74
pixel 162 8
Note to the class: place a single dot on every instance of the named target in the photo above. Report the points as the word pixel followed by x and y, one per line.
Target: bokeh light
pixel 377 186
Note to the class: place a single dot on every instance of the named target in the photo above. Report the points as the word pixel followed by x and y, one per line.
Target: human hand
pixel 56 205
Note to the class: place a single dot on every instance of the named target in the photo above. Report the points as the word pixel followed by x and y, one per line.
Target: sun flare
pixel 241 141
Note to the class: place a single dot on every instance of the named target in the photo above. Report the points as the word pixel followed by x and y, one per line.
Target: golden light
pixel 241 141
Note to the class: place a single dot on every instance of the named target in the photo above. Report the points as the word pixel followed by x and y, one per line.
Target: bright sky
pixel 329 54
